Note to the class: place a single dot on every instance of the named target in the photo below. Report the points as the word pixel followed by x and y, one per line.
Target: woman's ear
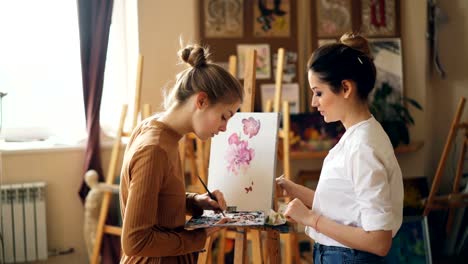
pixel 349 87
pixel 201 100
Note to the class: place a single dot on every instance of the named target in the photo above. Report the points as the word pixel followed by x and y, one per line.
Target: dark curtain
pixel 94 21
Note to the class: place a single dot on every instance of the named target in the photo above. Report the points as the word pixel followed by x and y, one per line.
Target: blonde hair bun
pixel 357 42
pixel 194 55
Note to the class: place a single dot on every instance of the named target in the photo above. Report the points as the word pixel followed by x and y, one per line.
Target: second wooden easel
pixel 455 199
pixel 102 227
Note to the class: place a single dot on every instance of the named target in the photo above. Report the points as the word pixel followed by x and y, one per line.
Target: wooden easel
pixel 291 244
pixel 454 199
pixel 102 228
pixel 243 233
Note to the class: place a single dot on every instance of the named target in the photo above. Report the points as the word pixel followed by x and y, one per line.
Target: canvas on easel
pixel 243 161
pixel 243 166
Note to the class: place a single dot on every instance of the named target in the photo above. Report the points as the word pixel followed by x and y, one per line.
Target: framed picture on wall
pixel 289 67
pixel 223 19
pixel 289 92
pixel 334 18
pixel 388 61
pixel 263 60
pixel 272 18
pixel 380 18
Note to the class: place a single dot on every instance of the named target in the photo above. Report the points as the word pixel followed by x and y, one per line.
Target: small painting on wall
pixel 272 18
pixel 223 19
pixel 289 92
pixel 379 18
pixel 334 17
pixel 289 66
pixel 243 161
pixel 388 61
pixel 263 62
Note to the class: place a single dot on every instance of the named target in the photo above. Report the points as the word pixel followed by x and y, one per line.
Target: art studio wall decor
pixel 334 17
pixel 223 19
pixel 371 18
pixel 263 62
pixel 387 55
pixel 261 22
pixel 243 161
pixel 289 92
pixel 289 67
pixel 379 18
pixel 272 18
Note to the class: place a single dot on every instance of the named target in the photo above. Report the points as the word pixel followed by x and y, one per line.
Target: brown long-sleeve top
pixel 153 199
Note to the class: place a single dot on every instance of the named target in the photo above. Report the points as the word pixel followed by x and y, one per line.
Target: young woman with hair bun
pixel 357 207
pixel 152 191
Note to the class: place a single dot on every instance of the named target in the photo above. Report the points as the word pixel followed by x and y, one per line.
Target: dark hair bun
pixel 357 42
pixel 194 55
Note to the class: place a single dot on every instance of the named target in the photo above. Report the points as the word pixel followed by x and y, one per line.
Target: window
pixel 40 68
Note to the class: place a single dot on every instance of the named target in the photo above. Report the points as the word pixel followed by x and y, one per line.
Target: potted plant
pixel 390 110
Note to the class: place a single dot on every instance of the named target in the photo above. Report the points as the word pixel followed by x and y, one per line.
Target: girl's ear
pixel 201 100
pixel 349 87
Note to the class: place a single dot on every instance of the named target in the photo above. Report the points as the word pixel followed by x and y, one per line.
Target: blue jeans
pixel 336 255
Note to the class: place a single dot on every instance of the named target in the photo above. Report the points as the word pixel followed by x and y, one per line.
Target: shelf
pixel 299 155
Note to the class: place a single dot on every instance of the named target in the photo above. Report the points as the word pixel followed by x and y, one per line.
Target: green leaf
pixel 413 103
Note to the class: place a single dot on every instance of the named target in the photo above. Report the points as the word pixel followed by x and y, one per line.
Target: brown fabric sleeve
pixel 141 235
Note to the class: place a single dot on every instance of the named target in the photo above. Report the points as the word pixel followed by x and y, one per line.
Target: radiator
pixel 23 223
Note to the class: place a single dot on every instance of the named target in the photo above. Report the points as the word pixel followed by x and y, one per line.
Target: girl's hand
pixel 286 185
pixel 205 202
pixel 296 211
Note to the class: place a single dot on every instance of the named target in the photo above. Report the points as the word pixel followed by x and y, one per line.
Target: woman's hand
pixel 205 202
pixel 296 211
pixel 286 185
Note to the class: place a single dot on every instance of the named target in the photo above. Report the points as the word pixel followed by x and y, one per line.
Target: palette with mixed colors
pixel 242 218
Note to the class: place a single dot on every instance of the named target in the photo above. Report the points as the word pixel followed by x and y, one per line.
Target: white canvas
pixel 243 161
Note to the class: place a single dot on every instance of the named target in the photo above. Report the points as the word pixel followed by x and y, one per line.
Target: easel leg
pixel 203 256
pixel 273 247
pixel 240 246
pixel 256 246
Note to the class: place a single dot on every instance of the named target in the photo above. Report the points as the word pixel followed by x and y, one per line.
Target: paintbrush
pixel 209 193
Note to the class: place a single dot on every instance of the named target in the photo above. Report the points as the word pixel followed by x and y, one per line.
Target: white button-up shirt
pixel 360 183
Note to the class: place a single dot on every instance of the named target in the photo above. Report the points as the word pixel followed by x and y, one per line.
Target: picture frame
pixel 223 19
pixel 272 18
pixel 380 18
pixel 289 92
pixel 412 243
pixel 289 66
pixel 263 62
pixel 333 17
pixel 388 59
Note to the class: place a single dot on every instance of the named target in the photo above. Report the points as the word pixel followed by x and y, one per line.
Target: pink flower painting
pixel 251 126
pixel 238 155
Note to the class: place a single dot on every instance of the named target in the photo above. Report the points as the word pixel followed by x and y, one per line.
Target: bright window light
pixel 40 69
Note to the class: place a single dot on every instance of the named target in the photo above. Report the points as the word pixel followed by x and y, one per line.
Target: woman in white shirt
pixel 357 207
